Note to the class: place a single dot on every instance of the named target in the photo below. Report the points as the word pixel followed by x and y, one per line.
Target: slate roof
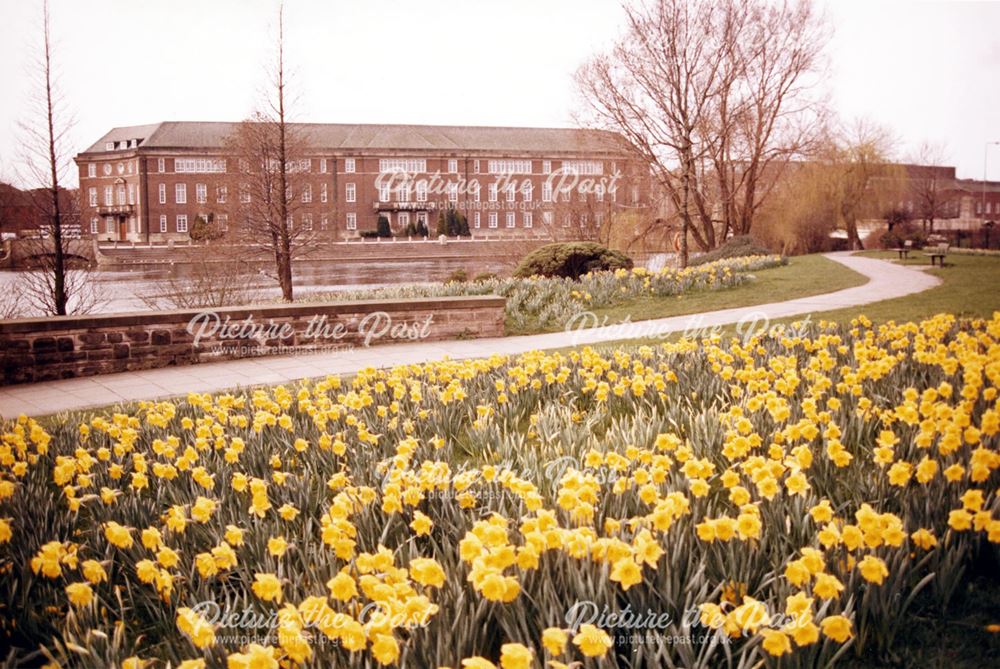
pixel 346 136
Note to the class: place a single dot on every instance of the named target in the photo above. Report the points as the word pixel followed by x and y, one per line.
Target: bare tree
pixel 46 160
pixel 713 95
pixel 862 179
pixel 654 88
pixel 933 193
pixel 767 112
pixel 271 173
pixel 206 278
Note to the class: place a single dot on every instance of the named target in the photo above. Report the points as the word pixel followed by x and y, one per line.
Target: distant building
pixel 25 213
pixel 934 193
pixel 150 183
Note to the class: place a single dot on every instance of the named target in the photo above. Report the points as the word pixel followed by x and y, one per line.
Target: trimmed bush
pixel 485 276
pixel 901 233
pixel 458 276
pixel 740 246
pixel 384 230
pixel 571 260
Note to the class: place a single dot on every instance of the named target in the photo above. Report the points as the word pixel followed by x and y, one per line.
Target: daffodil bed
pixel 787 497
pixel 551 302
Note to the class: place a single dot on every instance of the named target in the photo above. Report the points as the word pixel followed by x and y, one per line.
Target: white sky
pixel 928 70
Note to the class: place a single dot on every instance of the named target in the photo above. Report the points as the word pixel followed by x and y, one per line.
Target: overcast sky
pixel 928 70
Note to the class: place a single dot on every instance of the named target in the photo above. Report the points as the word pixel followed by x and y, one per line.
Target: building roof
pixel 359 136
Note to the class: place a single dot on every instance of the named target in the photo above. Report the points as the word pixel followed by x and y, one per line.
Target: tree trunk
pixel 59 265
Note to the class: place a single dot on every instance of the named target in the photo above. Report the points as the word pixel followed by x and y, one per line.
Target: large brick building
pixel 151 183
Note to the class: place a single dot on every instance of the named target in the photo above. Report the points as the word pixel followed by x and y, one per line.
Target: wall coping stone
pixel 264 311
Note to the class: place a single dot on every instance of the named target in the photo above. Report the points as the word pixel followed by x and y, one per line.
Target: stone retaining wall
pixel 39 349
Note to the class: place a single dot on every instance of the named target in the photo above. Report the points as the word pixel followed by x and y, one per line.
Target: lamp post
pixel 986 154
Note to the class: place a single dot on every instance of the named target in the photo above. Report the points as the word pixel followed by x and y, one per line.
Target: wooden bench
pixel 904 250
pixel 936 253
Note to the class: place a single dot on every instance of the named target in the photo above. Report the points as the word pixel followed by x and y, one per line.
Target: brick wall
pixel 70 346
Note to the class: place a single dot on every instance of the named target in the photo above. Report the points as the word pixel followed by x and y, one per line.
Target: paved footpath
pixel 886 281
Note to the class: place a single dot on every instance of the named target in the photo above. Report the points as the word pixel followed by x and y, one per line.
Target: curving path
pixel 886 281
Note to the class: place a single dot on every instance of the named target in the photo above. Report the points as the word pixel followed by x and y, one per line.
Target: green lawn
pixel 969 288
pixel 801 277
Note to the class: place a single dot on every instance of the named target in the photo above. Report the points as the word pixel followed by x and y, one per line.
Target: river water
pixel 121 290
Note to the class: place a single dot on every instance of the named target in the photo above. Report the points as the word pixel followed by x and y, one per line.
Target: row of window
pixel 351 221
pixel 205 165
pixel 126 193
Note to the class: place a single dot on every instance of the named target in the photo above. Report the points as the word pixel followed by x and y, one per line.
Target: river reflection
pixel 120 290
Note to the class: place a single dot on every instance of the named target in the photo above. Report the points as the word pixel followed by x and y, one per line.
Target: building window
pixel 352 221
pixel 163 222
pixel 635 195
pixel 511 221
pixel 182 223
pixel 453 193
pixel 131 193
pixel 322 165
pixel 422 220
pixel 109 196
pixel 92 170
pixel 180 194
pixel 92 196
pixel 527 191
pixel 221 194
pixel 421 191
pixel 511 193
pixel 453 166
pixel 476 220
pixel 93 226
pixel 527 219
pixel 493 192
pixel 199 165
pixel 599 192
pixel 161 165
pixel 307 221
pixel 408 165
pixel 349 167
pixel 121 193
pixel 475 166
pixel 493 219
pixel 474 187
pixel 403 192
pixel 351 194
pixel 583 167
pixel 584 219
pixel 324 223
pixel 546 192
pixel 307 193
pixel 547 217
pixel 244 195
pixel 383 193
pixel 322 193
pixel 403 221
pixel 598 219
pixel 163 193
pixel 509 166
pixel 109 226
pixel 547 166
pixel 201 193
